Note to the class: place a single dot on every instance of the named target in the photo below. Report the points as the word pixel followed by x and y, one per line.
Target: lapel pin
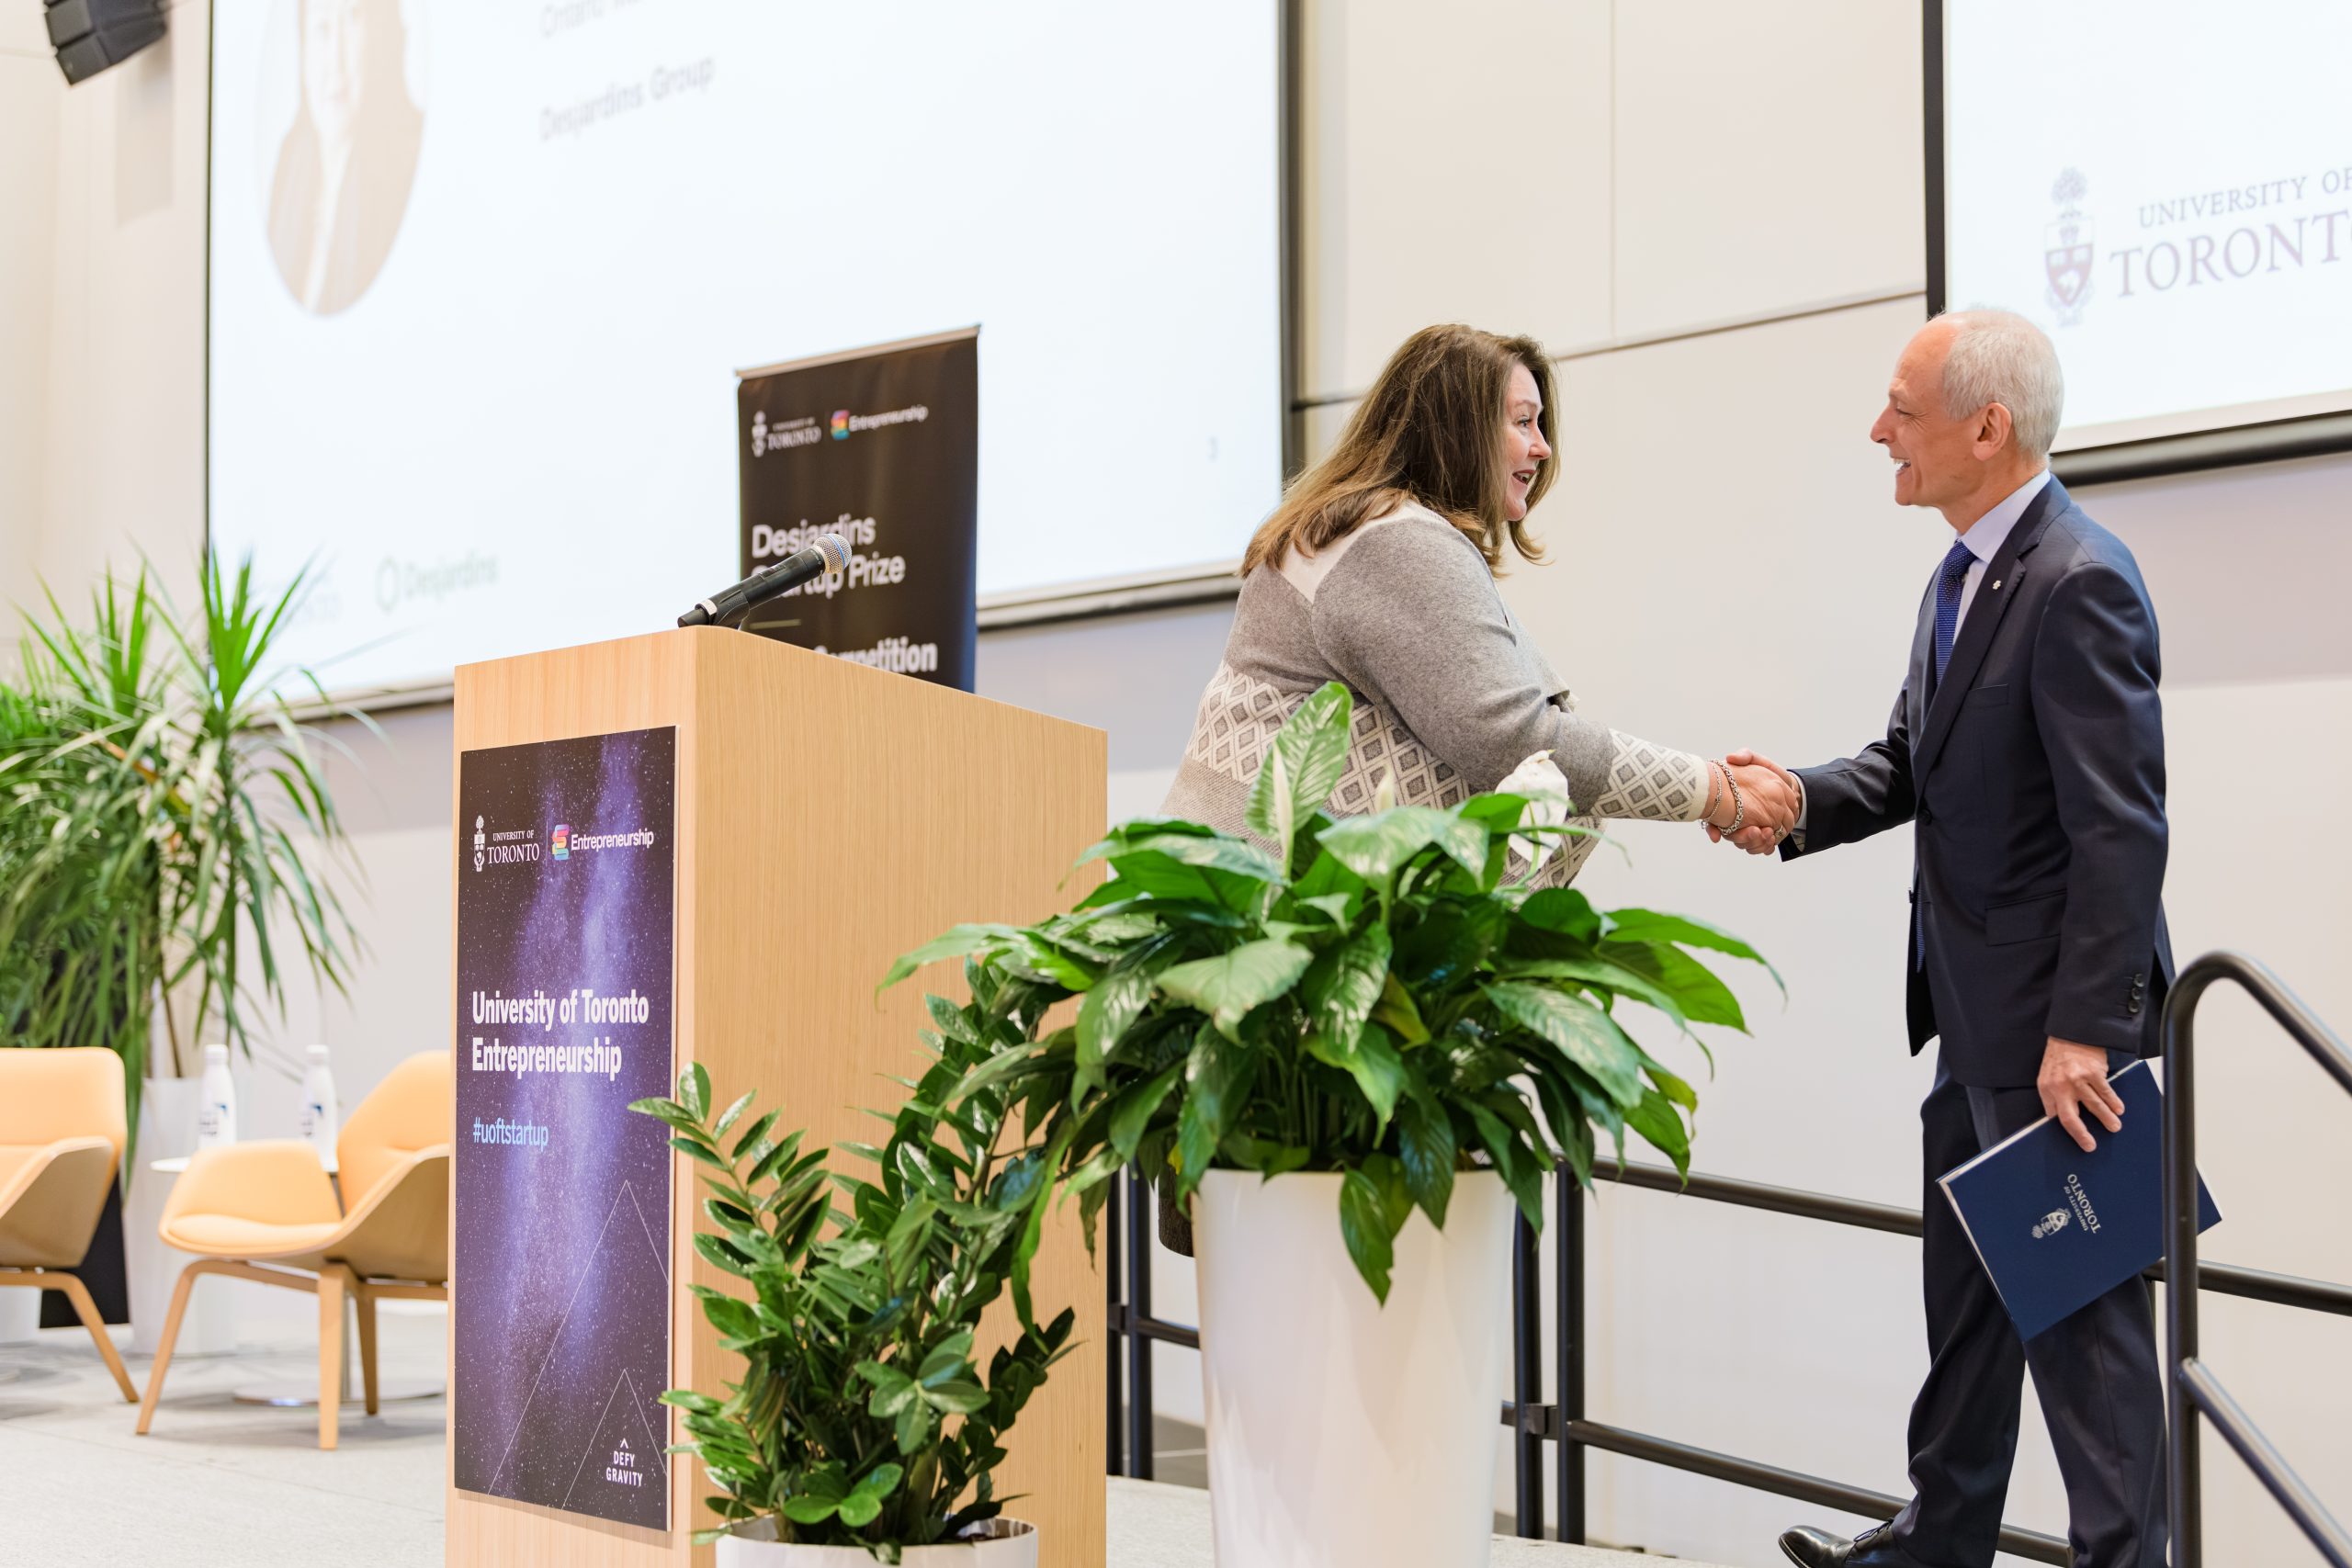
pixel 1996 585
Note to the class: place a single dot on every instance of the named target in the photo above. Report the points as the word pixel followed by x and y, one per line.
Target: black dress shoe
pixel 1810 1548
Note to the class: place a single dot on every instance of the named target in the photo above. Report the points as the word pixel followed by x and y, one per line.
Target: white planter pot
pixel 1012 1544
pixel 166 1129
pixel 20 1316
pixel 1341 1433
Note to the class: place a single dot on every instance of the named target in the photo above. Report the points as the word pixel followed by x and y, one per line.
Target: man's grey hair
pixel 1998 356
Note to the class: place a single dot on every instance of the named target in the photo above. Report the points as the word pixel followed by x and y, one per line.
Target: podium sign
pixel 882 446
pixel 561 1295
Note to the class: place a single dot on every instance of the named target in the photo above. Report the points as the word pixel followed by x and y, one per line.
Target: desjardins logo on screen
pixel 518 846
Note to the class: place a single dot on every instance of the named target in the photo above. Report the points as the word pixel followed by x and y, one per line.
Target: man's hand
pixel 2074 1077
pixel 1773 798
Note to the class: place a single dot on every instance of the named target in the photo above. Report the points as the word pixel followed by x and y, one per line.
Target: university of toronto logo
pixel 759 434
pixel 2051 1223
pixel 479 839
pixel 2067 252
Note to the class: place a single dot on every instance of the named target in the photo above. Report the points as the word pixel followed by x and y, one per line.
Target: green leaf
pixel 1562 909
pixel 1343 983
pixel 1218 1077
pixel 1131 1113
pixel 1585 1035
pixel 1374 846
pixel 1302 767
pixel 1375 1065
pixel 726 1118
pixel 694 1091
pixel 953 943
pixel 1108 1010
pixel 1230 985
pixel 1426 1145
pixel 1654 1118
pixel 1602 974
pixel 1647 925
pixel 1701 994
pixel 1364 1225
pixel 1449 942
pixel 1399 1013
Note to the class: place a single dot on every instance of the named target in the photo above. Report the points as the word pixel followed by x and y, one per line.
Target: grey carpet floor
pixel 220 1485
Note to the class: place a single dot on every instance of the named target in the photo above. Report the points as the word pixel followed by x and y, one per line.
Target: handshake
pixel 1754 802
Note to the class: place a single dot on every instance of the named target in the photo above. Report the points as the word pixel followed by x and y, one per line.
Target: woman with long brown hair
pixel 1378 570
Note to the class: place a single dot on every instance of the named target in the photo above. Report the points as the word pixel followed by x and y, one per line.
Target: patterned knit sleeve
pixel 1411 618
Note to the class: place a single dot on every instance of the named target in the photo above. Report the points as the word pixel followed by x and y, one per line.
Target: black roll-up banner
pixel 882 447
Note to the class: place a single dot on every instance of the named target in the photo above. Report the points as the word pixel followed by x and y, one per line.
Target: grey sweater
pixel 1451 693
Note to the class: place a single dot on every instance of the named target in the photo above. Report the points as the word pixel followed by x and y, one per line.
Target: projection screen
pixel 481 278
pixel 2166 187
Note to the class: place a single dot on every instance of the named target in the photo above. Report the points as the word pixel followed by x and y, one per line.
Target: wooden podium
pixel 829 817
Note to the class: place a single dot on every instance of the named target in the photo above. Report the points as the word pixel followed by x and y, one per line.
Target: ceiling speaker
pixel 90 35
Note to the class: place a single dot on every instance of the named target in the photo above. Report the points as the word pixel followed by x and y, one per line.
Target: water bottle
pixel 216 1117
pixel 321 1116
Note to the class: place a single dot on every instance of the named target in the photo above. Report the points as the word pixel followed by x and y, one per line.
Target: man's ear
pixel 1993 429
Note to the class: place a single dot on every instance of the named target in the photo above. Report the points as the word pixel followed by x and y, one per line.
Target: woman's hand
pixel 1771 797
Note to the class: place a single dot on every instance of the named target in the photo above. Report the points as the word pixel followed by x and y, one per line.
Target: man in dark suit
pixel 2027 750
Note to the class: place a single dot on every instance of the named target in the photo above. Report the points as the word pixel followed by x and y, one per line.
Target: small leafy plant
pixel 861 1418
pixel 1367 997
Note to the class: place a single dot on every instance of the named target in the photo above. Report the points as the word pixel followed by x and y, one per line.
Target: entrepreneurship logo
pixel 2049 1224
pixel 578 842
pixel 2067 251
pixel 840 425
pixel 560 841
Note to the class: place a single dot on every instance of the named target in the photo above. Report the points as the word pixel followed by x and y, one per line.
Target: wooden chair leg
pixel 362 1302
pixel 163 1346
pixel 331 1285
pixel 87 1310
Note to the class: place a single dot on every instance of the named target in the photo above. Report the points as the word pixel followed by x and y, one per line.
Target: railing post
pixel 1115 1326
pixel 1140 1229
pixel 2183 1505
pixel 1527 1374
pixel 1567 1242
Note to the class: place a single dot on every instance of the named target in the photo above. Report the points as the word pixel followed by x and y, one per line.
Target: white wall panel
pixel 31 92
pixel 1767 157
pixel 126 432
pixel 1457 166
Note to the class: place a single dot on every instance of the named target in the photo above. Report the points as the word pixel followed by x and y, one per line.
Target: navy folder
pixel 2058 1228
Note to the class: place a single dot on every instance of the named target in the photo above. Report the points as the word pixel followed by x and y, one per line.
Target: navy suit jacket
pixel 2034 774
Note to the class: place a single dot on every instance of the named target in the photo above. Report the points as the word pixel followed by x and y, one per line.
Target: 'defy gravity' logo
pixel 2050 1224
pixel 2067 251
pixel 479 841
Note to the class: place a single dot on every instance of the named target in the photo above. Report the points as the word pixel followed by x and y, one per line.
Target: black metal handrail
pixel 2190 1389
pixel 1563 1422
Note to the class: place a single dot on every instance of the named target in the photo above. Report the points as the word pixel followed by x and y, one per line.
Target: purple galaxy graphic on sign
pixel 560 1294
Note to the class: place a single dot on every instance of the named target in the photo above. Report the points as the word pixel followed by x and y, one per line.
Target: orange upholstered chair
pixel 61 1141
pixel 265 1212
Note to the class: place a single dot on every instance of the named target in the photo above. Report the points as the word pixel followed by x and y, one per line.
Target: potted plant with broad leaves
pixel 1345 1052
pixel 863 1429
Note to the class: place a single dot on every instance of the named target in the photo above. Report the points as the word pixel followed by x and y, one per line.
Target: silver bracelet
pixel 1739 807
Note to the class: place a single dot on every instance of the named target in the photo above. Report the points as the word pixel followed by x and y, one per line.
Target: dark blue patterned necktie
pixel 1949 578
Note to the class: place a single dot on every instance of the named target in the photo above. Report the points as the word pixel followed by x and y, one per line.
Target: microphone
pixel 830 553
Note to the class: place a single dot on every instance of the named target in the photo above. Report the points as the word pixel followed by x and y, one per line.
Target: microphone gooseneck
pixel 829 553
